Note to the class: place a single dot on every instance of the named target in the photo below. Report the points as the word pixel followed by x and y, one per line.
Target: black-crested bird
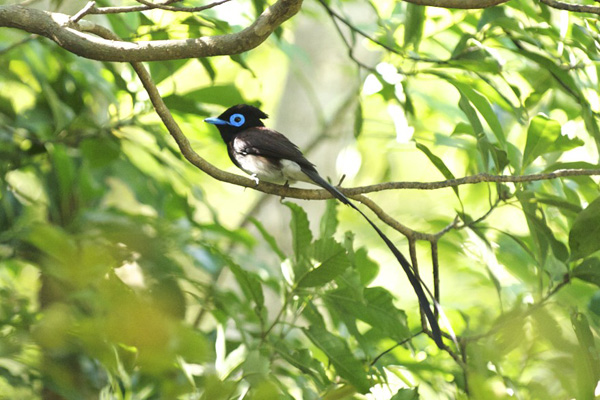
pixel 266 154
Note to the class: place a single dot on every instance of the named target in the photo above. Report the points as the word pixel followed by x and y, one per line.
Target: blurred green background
pixel 126 273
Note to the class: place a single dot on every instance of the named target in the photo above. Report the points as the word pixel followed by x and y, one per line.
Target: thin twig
pixel 473 179
pixel 84 11
pixel 152 5
pixel 147 5
pixel 348 45
pixel 478 220
pixel 343 20
pixel 560 5
pixel 408 339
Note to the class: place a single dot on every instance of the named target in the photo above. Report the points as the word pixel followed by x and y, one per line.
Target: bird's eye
pixel 237 120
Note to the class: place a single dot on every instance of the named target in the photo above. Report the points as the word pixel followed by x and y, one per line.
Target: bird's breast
pixel 263 168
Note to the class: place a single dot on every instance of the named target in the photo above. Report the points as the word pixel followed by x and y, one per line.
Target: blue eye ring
pixel 237 120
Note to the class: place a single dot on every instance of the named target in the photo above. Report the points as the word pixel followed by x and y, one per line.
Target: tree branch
pixel 560 5
pixel 462 4
pixel 127 9
pixel 72 36
pixel 309 194
pixel 167 7
pixel 473 179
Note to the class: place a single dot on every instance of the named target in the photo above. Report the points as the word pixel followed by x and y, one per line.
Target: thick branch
pixel 67 34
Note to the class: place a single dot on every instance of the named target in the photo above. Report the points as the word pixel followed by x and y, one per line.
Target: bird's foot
pixel 255 179
pixel 285 185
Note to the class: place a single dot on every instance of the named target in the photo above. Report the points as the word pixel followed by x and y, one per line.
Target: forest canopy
pixel 137 262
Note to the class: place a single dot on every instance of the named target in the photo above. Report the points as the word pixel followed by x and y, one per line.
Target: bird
pixel 268 155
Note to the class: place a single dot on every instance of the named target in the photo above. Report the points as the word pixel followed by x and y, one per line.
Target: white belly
pixel 261 168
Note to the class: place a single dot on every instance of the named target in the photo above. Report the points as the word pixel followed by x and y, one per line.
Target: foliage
pixel 125 273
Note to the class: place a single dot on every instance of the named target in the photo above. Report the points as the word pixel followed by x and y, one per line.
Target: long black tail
pixel 412 278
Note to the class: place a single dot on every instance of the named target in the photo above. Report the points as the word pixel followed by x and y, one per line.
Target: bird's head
pixel 236 119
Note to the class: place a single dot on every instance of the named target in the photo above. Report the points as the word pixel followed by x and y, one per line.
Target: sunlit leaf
pixel 439 164
pixel 413 27
pixel 482 104
pixel 544 136
pixel 163 70
pixel 538 226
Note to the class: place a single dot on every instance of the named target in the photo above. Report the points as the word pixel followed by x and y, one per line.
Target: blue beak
pixel 216 121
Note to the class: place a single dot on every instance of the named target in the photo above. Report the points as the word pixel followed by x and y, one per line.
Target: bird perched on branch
pixel 266 154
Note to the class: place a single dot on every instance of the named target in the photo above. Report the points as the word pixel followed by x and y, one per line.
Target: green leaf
pixel 301 234
pixel 240 59
pixel 544 136
pixel 208 67
pixel 406 394
pixel 164 69
pixel 250 285
pixel 481 103
pixel 367 268
pixel 588 270
pixel 461 46
pixel 374 306
pixel 439 164
pixel 54 242
pixel 564 206
pixel 192 102
pixel 487 148
pixel 337 351
pixel 61 113
pixel 587 359
pixel 63 168
pixel 268 238
pixel 413 25
pixel 561 75
pixel 584 234
pixel 471 114
pixel 312 314
pixel 489 16
pixel 590 119
pixel 358 120
pixel 333 262
pixel 100 151
pixel 329 221
pixel 594 304
pixel 541 233
pixel 303 360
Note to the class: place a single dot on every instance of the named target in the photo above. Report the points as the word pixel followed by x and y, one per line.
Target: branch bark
pixel 463 4
pixel 561 5
pixel 72 36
